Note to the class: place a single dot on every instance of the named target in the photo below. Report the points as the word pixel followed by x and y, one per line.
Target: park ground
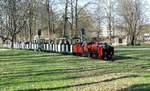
pixel 22 70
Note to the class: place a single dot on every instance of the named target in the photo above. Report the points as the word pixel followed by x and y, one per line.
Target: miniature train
pixel 91 49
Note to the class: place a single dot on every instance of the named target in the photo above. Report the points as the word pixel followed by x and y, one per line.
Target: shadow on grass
pixel 78 85
pixel 137 87
pixel 33 56
pixel 44 72
pixel 15 53
pixel 50 72
pixel 123 58
pixel 99 72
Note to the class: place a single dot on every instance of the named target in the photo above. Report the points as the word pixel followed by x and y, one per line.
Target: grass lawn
pixel 27 71
pixel 138 46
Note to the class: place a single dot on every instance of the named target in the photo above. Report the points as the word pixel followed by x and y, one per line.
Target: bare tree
pixel 131 12
pixel 76 17
pixel 50 12
pixel 99 15
pixel 14 21
pixel 49 19
pixel 30 16
pixel 72 17
pixel 65 18
pixel 108 8
pixel 78 10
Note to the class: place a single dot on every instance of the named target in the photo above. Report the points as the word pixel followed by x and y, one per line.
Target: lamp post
pixel 82 33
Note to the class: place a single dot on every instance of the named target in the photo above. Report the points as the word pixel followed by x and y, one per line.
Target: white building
pixel 105 32
pixel 147 36
pixel 116 41
pixel 118 37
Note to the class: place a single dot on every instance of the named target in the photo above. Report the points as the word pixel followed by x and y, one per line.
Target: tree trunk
pixel 110 29
pixel 30 29
pixel 12 42
pixel 133 41
pixel 76 19
pixel 72 17
pixel 65 19
pixel 49 19
pixel 133 36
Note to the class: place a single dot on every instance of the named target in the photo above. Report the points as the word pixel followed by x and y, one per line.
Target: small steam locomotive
pixel 93 49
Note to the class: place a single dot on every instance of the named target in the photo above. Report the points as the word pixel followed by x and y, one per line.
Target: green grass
pixel 137 46
pixel 27 71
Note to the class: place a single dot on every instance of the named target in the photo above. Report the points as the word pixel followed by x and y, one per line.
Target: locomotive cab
pixel 76 40
pixel 77 48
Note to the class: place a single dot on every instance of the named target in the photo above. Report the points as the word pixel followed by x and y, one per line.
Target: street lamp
pixel 82 33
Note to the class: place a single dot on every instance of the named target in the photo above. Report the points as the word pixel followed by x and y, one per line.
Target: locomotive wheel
pixel 106 58
pixel 94 55
pixel 88 54
pixel 85 54
pixel 74 53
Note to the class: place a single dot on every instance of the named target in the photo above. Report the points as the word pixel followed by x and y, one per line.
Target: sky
pixel 83 2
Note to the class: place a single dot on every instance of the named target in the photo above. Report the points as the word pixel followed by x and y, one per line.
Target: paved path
pixel 133 49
